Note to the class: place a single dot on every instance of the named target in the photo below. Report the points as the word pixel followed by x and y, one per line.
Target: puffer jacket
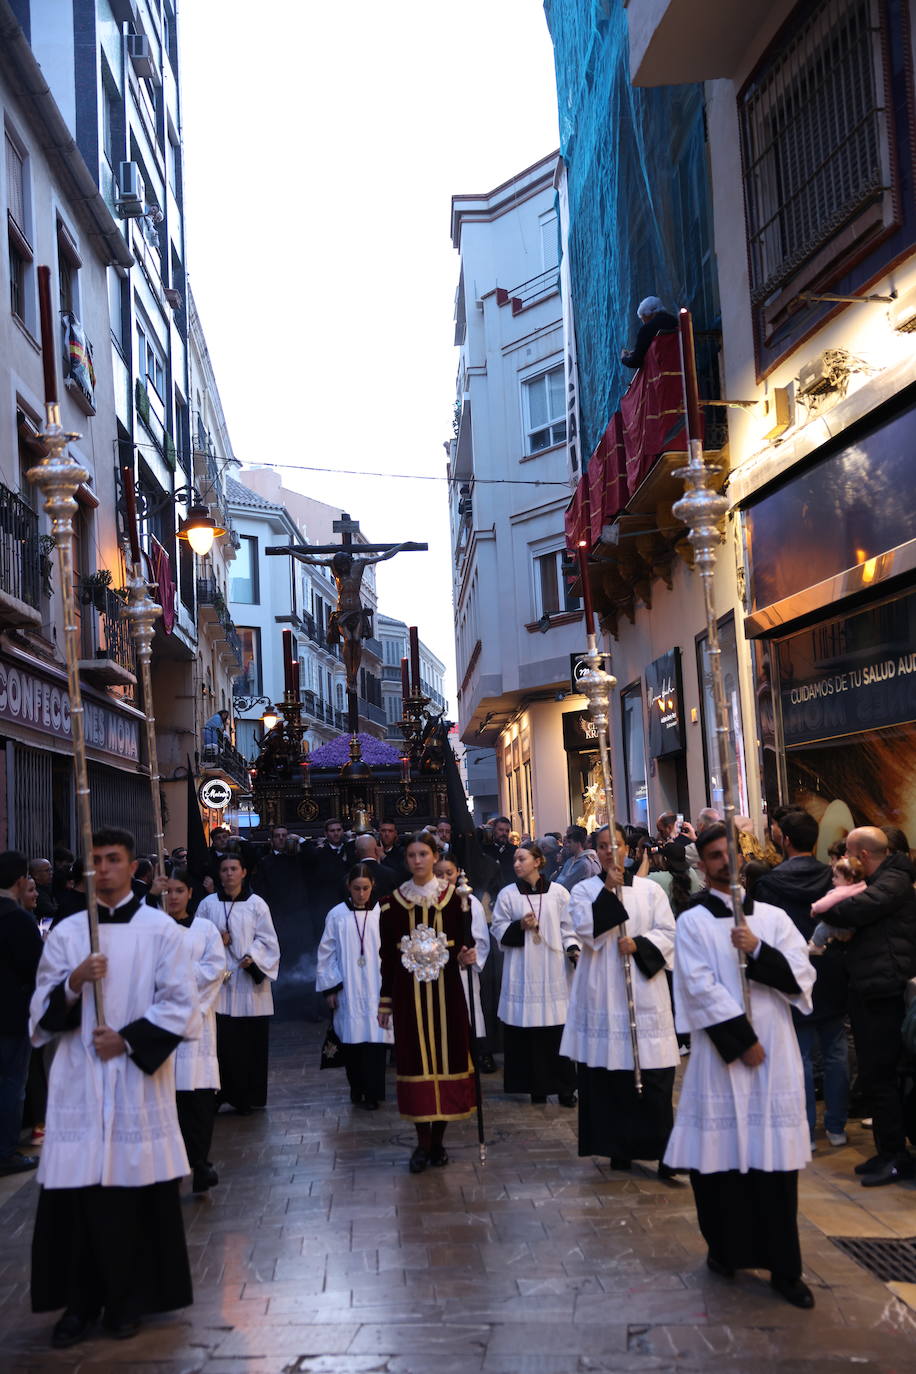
pixel 794 885
pixel 881 956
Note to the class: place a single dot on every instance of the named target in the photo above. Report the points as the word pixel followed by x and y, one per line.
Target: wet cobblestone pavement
pixel 320 1254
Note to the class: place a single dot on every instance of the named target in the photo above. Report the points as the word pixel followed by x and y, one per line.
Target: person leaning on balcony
pixel 215 729
pixel 653 319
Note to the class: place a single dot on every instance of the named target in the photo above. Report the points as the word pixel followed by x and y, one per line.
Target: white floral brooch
pixel 424 953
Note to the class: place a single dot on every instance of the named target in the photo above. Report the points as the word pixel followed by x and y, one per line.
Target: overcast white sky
pixel 322 145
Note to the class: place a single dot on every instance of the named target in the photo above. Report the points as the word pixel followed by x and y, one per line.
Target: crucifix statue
pixel 351 622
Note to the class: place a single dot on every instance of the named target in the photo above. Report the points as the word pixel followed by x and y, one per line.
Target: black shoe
pixel 869 1166
pixel 369 1104
pixel 438 1156
pixel 537 1100
pixel 666 1172
pixel 568 1100
pixel 890 1171
pixel 619 1162
pixel 204 1178
pixel 793 1290
pixel 121 1325
pixel 419 1160
pixel 487 1064
pixel 71 1328
pixel 717 1267
pixel 17 1163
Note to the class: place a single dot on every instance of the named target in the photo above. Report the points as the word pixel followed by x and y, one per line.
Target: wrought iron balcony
pixel 107 648
pixel 24 562
pixel 224 759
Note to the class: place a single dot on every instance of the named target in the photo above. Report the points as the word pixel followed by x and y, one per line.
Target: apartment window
pixel 550 243
pixel 151 366
pixel 249 683
pixel 243 577
pixel 816 149
pixel 20 247
pixel 551 591
pixel 545 410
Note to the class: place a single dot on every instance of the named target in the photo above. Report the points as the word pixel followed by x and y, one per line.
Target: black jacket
pixel 504 856
pixel 661 323
pixel 881 956
pixel 794 885
pixel 20 951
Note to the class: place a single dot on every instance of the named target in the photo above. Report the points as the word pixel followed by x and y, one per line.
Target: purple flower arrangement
pixel 336 752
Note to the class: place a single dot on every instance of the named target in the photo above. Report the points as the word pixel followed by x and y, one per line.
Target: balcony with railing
pixel 221 759
pixel 25 564
pixel 215 619
pixel 106 646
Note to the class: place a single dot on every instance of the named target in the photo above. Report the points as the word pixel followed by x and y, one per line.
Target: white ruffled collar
pixel 429 892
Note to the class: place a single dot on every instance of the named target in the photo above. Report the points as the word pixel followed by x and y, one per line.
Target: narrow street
pixel 320 1253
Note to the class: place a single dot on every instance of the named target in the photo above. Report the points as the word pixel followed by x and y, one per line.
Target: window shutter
pixel 15 184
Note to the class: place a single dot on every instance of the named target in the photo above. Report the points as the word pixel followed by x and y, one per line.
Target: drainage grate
pixel 892 1261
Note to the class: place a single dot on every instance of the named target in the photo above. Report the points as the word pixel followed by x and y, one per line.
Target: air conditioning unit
pixel 816 377
pixel 141 55
pixel 173 296
pixel 465 505
pixel 131 199
pixel 902 314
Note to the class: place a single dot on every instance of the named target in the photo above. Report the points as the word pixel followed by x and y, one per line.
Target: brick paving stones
pixel 320 1254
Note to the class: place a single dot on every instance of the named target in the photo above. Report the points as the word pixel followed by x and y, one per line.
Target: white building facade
pixel 516 622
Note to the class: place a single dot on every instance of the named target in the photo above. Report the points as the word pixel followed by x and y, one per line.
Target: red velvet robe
pixel 435 1080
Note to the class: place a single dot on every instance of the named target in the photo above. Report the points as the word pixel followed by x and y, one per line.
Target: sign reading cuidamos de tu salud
pixel 852 675
pixel 31 699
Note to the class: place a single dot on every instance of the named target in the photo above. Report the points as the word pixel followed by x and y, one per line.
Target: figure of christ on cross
pixel 351 622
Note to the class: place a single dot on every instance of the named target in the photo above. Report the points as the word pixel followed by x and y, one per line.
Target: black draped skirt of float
pixel 365 1066
pixel 614 1120
pixel 242 1049
pixel 533 1063
pixel 120 1248
pixel 196 1111
pixel 750 1221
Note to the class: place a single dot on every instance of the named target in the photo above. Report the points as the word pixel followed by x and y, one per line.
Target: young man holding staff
pixel 108 1231
pixel 741 1126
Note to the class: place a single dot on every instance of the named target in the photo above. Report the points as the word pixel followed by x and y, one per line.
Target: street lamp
pixel 200 529
pixel 270 716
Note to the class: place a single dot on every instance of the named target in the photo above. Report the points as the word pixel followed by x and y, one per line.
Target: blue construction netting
pixel 639 203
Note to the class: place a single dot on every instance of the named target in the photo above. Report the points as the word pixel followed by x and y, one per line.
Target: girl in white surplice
pixel 350 976
pixel 531 923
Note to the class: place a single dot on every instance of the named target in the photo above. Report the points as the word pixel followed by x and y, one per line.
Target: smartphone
pixel 679 822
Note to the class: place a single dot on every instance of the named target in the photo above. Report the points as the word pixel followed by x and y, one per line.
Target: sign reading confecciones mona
pixel 30 698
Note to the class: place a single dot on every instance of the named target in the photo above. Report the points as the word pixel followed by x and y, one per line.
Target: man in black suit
pixel 392 853
pixel 325 866
pixel 368 851
pixel 20 951
pixel 503 851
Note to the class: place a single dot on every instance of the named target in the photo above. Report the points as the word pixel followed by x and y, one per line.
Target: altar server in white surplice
pixel 245 1003
pixel 531 923
pixel 349 973
pixel 196 1063
pixel 615 1120
pixel 108 1230
pixel 741 1126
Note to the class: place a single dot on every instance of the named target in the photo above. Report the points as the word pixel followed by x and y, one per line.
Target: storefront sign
pixel 850 676
pixel 215 793
pixel 580 734
pixel 664 701
pixel 578 664
pixel 29 698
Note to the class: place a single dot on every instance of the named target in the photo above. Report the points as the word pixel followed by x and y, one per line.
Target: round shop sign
pixel 216 793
